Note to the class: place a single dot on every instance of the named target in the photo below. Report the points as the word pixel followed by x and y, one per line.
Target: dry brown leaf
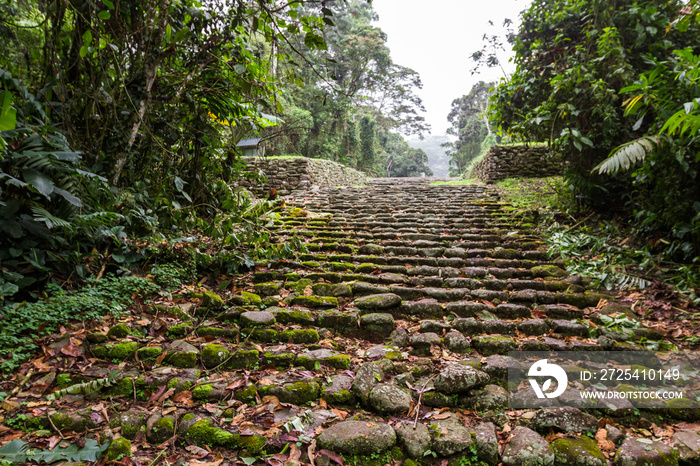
pixel 308 291
pixel 602 438
pixel 219 459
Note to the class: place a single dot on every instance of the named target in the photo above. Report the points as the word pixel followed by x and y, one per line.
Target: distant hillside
pixel 439 162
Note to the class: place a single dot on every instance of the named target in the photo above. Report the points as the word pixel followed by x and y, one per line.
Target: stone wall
pixel 517 161
pixel 298 173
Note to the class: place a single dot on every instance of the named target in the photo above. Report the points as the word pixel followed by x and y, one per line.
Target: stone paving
pixel 386 342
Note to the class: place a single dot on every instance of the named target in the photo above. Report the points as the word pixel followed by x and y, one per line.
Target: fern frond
pixel 86 388
pixel 623 157
pixel 44 216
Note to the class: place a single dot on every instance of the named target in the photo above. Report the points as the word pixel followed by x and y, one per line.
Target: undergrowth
pixel 611 252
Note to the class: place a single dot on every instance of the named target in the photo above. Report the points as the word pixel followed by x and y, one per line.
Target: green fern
pixel 623 157
pixel 86 388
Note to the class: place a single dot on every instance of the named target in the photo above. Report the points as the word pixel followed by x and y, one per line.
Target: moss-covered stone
pixel 295 316
pixel 217 332
pixel 488 345
pixel 261 335
pixel 300 336
pixel 119 331
pixel 580 451
pixel 267 288
pixel 244 359
pixel 180 330
pixel 211 300
pixel 251 443
pixel 118 449
pixel 322 302
pixel 366 268
pixel 203 433
pixel 161 430
pixel 214 355
pixel 70 421
pixel 247 394
pixel 684 409
pixel 123 350
pixel 201 392
pixel 279 360
pixel 548 271
pixel 251 298
pixel 149 353
pixel 131 422
pixel 298 393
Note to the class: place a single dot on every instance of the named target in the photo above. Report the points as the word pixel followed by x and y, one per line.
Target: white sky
pixel 436 39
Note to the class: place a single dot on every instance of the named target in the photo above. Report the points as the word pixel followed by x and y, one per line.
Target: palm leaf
pixel 623 157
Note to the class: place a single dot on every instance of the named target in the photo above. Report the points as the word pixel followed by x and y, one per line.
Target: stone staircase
pixel 386 342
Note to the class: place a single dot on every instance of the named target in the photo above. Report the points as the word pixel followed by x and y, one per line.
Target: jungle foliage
pixel 615 78
pixel 351 89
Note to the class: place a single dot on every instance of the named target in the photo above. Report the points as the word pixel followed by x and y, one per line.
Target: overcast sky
pixel 436 39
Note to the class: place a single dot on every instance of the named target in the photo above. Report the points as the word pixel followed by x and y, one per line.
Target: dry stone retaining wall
pixel 298 173
pixel 518 161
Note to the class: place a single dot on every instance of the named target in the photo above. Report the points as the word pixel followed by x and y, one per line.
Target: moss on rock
pixel 118 449
pixel 122 351
pixel 300 336
pixel 201 392
pixel 244 359
pixel 119 331
pixel 214 355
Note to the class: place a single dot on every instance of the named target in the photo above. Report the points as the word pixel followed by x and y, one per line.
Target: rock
pixel 455 378
pixel 527 448
pixel 390 399
pixel 367 376
pixel 469 326
pixel 131 423
pixel 567 420
pixel 377 323
pixel 118 449
pixel 645 452
pixel 688 444
pixel 377 302
pixel 257 319
pixel 451 437
pixel 433 326
pixel 182 354
pixel 326 357
pixel 119 331
pixel 615 435
pixel 338 392
pixel 422 342
pixel 415 441
pixel 457 343
pixel 357 438
pixel 399 338
pixel 159 428
pixel 493 344
pixel 580 451
pixel 371 250
pixel 486 443
pixel 214 355
pixel 491 397
pixel 498 367
pixel 297 393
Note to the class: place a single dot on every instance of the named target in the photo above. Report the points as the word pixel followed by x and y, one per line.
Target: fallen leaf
pixel 334 456
pixel 602 438
pixel 197 451
pixel 184 397
pixel 219 459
